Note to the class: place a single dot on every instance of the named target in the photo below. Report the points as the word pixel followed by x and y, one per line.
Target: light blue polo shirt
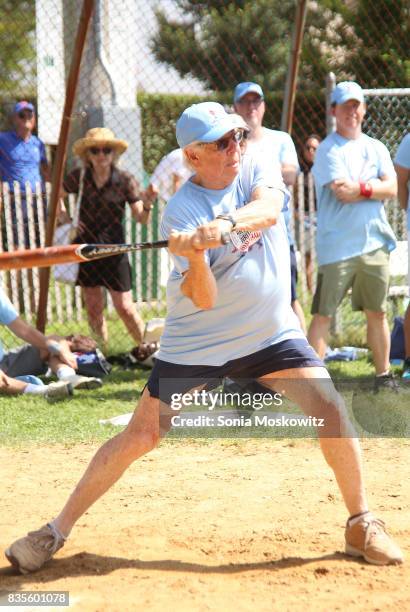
pixel 7 314
pixel 403 159
pixel 20 160
pixel 349 230
pixel 253 309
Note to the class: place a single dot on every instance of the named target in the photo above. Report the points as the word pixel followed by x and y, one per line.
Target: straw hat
pixel 99 136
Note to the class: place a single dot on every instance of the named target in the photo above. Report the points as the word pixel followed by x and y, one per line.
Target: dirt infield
pixel 248 525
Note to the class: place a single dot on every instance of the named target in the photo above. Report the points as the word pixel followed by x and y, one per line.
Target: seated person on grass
pixel 35 358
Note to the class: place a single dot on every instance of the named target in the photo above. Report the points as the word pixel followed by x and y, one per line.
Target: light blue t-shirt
pixel 253 309
pixel 7 314
pixel 349 230
pixel 274 149
pixel 403 159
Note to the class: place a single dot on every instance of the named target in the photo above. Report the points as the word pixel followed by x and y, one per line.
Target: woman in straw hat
pixel 105 191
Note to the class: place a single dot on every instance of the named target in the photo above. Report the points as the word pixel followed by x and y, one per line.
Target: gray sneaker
pixel 29 554
pixel 57 391
pixel 84 382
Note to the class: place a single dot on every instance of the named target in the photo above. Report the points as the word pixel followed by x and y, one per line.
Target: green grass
pixel 30 420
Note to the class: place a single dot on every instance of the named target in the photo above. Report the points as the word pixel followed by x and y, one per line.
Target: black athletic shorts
pixel 169 378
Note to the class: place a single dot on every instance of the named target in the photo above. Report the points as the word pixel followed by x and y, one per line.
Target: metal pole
pixel 294 60
pixel 330 120
pixel 60 159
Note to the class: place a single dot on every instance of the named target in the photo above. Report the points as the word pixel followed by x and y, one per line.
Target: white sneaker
pixel 84 382
pixel 57 391
pixel 153 330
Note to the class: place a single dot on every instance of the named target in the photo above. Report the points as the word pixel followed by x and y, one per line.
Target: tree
pixel 362 40
pixel 17 46
pixel 222 43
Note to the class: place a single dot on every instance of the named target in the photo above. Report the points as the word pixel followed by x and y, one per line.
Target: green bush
pixel 159 113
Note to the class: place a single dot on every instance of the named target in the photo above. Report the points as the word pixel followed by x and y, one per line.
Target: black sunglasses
pixel 223 143
pixel 25 114
pixel 96 150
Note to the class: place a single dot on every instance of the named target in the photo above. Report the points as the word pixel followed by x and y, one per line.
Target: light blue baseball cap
pixel 205 122
pixel 244 88
pixel 347 90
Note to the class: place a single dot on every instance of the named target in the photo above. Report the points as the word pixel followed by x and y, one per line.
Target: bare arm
pixel 29 334
pixel 403 178
pixel 347 191
pixel 141 209
pixel 289 174
pixel 45 171
pixel 262 211
pixel 199 283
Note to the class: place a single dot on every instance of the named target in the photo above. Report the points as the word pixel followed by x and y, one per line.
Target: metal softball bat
pixel 49 256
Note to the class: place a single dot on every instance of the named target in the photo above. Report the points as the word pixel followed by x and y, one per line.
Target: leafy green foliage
pixel 224 43
pixel 364 40
pixel 159 113
pixel 17 46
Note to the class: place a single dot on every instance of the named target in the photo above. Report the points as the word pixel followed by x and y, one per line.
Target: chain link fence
pixel 143 63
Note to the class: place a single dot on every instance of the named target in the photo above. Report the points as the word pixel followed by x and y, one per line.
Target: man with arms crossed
pixel 229 314
pixel 353 174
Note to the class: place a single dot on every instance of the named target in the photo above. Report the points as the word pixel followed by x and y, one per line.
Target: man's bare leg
pixel 11 386
pixel 318 334
pixel 313 391
pixel 111 461
pixel 378 338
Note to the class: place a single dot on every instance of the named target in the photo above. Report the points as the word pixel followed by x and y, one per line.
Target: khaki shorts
pixel 367 275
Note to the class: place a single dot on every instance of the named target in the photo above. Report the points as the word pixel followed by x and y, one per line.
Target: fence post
pixel 87 9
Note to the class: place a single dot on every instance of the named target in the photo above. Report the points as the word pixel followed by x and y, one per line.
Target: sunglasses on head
pixel 97 150
pixel 25 114
pixel 223 143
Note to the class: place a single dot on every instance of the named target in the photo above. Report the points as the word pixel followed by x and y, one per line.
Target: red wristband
pixel 366 190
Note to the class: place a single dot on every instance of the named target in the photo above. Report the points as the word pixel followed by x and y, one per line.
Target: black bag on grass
pixel 92 363
pixel 397 350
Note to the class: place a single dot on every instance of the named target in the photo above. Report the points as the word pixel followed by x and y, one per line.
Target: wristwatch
pixel 227 217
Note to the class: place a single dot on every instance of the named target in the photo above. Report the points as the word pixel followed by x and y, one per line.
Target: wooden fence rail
pixel 65 304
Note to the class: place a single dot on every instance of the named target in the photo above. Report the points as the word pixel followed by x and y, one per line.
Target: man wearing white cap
pixel 229 314
pixel 353 175
pixel 273 148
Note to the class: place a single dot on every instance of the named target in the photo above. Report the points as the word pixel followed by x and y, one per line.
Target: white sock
pixel 58 532
pixel 35 389
pixel 64 372
pixel 383 373
pixel 359 518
